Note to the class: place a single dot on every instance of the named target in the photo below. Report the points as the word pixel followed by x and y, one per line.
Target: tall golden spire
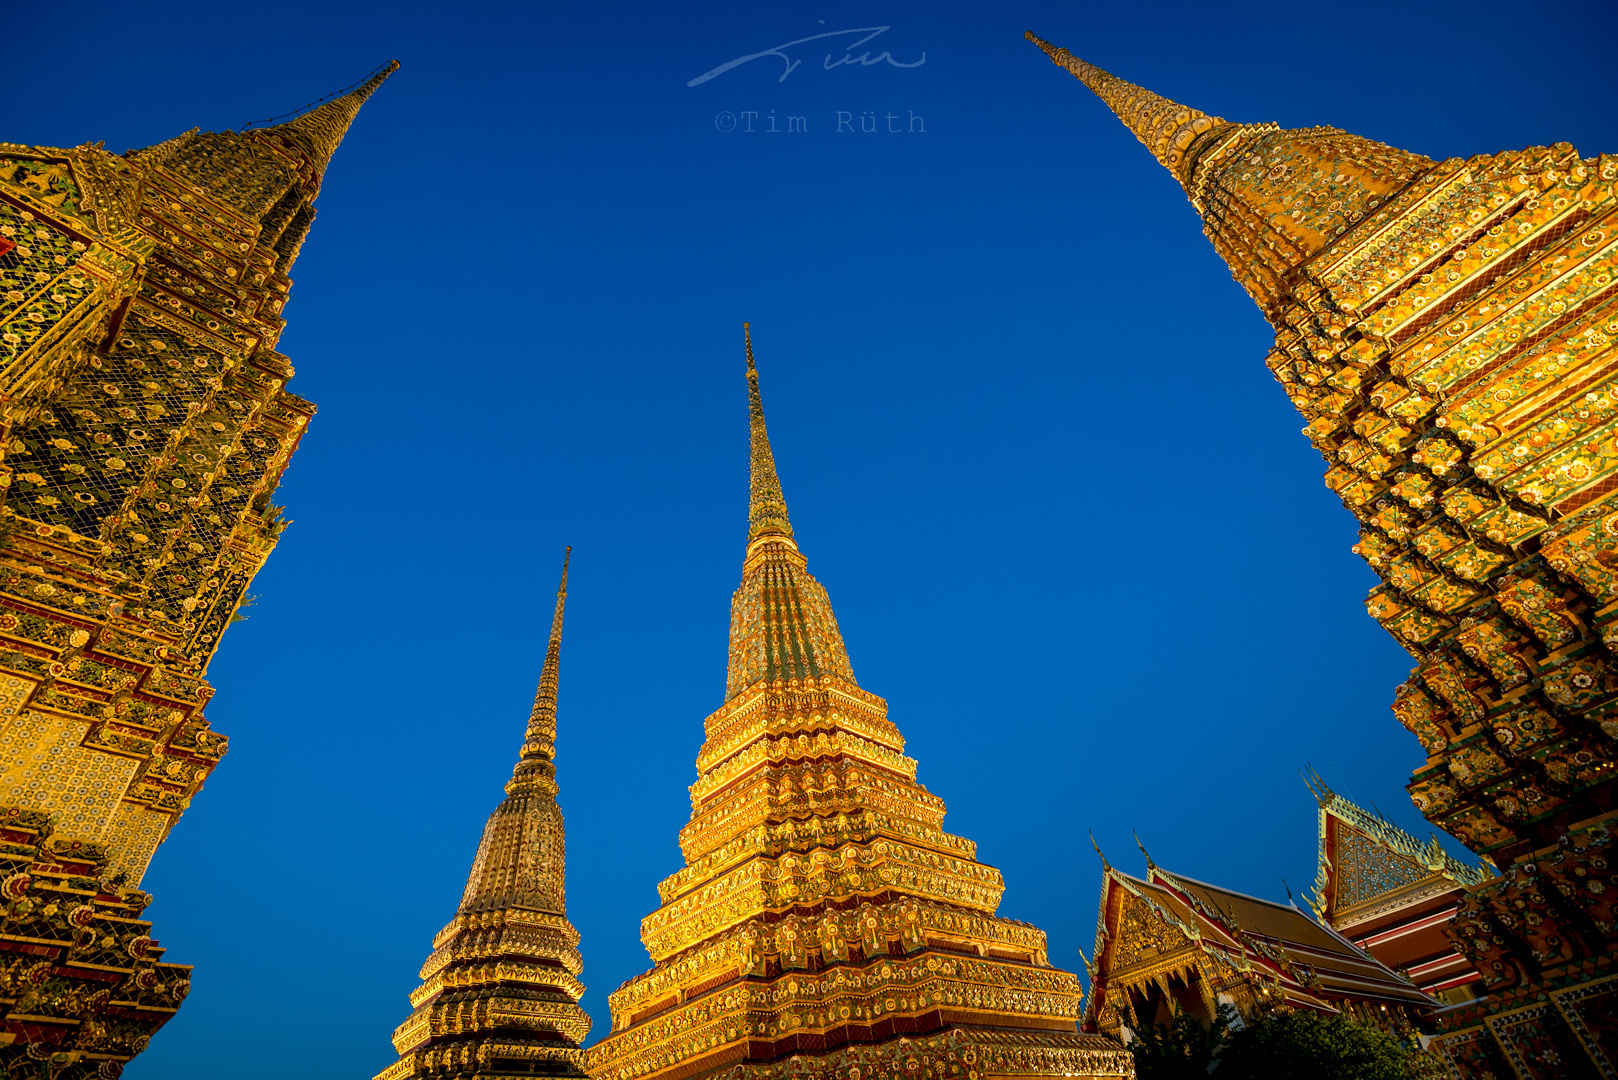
pixel 320 130
pixel 1166 127
pixel 500 992
pixel 520 860
pixel 143 279
pixel 781 625
pixel 1446 330
pixel 1269 198
pixel 767 509
pixel 825 926
pixel 540 745
pixel 270 175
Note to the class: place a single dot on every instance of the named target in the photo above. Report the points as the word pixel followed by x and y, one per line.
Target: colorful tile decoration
pixel 500 992
pixel 144 426
pixel 825 926
pixel 1450 329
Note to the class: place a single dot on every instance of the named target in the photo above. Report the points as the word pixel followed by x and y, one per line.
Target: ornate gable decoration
pixel 1364 857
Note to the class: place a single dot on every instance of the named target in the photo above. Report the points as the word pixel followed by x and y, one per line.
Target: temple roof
pixel 1367 863
pixel 1166 925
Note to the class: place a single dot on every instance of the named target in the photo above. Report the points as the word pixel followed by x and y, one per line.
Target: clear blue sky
pixel 1068 523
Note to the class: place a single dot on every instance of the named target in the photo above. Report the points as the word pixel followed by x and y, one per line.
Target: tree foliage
pixel 1308 1046
pixel 1286 1046
pixel 1183 1050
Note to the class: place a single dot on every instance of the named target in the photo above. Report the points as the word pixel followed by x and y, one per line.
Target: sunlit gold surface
pixel 500 992
pixel 1449 330
pixel 824 924
pixel 144 425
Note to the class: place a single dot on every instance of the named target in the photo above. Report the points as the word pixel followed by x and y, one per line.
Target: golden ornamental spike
pixel 767 509
pixel 510 951
pixel 320 130
pixel 1165 127
pixel 1270 199
pixel 541 740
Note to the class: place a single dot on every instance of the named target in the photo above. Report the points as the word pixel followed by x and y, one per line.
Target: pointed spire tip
pixel 767 508
pixel 321 129
pixel 1164 127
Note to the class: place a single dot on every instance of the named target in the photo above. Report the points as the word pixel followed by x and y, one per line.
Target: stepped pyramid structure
pixel 144 426
pixel 1447 329
pixel 825 925
pixel 500 993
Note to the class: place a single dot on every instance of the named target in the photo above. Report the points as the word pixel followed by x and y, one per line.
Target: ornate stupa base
pixel 486 1059
pixel 957 1053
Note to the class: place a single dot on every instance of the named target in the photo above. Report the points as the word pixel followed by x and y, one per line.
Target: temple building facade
pixel 144 425
pixel 824 925
pixel 1447 330
pixel 1393 896
pixel 1168 944
pixel 499 995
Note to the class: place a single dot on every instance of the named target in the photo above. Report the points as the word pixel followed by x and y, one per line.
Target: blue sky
pixel 1068 523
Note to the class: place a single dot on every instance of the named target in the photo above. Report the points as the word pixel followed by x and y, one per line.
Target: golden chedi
pixel 144 426
pixel 500 993
pixel 825 925
pixel 1448 331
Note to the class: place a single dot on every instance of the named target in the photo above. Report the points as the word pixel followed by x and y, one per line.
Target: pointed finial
pixel 1166 127
pixel 320 130
pixel 541 740
pixel 561 597
pixel 1317 785
pixel 1150 865
pixel 767 509
pixel 1105 865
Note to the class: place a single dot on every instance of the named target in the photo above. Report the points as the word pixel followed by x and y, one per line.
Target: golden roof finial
pixel 1105 865
pixel 1166 127
pixel 1150 865
pixel 767 509
pixel 541 740
pixel 320 130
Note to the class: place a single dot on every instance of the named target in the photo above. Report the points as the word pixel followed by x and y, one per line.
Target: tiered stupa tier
pixel 1449 330
pixel 500 993
pixel 825 925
